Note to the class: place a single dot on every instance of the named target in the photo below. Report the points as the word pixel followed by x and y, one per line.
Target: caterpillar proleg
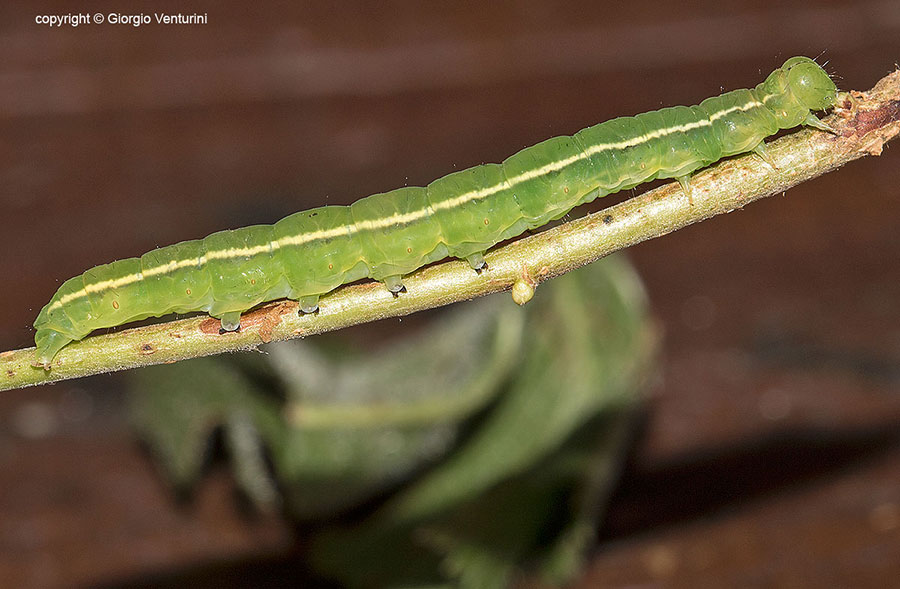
pixel 386 236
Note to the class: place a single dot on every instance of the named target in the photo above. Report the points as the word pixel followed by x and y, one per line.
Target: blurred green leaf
pixel 483 443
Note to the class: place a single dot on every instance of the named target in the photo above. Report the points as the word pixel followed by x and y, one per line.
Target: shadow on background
pixel 686 488
pixel 714 480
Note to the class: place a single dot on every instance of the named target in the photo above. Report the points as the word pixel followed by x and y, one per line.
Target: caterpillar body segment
pixel 386 236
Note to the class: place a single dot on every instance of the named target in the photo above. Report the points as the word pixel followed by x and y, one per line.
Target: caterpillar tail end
pixel 48 342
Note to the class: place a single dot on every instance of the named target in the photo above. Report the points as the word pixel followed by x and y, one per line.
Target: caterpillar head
pixel 809 83
pixel 795 89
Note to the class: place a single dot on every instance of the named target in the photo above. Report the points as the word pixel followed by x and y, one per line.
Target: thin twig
pixel 864 120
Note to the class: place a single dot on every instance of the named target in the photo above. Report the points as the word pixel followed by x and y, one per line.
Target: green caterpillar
pixel 386 236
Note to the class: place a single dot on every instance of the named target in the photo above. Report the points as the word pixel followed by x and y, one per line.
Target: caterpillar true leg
pixel 685 182
pixel 763 153
pixel 812 120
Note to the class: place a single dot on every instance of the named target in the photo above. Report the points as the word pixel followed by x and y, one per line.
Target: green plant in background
pixel 481 446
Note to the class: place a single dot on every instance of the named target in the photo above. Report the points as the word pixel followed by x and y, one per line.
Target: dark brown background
pixel 770 457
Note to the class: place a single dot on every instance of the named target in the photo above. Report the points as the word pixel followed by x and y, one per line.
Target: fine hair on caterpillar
pixel 389 235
